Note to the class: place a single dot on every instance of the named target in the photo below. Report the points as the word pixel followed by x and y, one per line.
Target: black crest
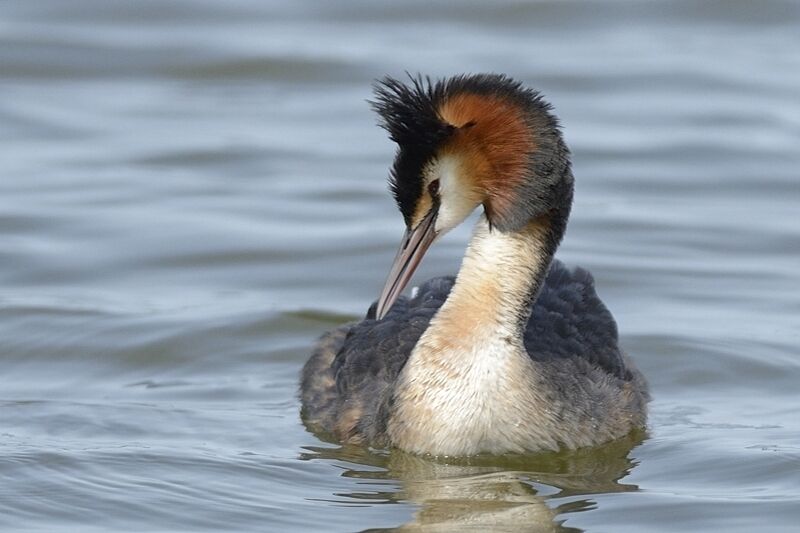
pixel 410 114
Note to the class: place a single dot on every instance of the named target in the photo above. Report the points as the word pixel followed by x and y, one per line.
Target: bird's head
pixel 468 141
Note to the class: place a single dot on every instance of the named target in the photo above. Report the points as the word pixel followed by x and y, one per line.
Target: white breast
pixel 468 403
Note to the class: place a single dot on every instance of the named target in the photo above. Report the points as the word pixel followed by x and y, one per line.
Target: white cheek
pixel 455 206
pixel 454 209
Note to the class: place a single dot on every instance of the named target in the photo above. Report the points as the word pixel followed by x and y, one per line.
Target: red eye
pixel 433 188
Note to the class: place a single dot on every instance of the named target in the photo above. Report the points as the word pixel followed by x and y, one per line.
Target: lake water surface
pixel 192 192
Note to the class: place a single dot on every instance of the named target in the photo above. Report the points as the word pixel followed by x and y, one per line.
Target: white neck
pixel 496 282
pixel 470 363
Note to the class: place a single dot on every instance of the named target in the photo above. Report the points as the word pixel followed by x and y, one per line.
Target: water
pixel 192 192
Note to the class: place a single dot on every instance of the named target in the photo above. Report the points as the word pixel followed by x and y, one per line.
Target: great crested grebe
pixel 517 353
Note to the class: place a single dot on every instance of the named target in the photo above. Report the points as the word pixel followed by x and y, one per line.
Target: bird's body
pixel 516 354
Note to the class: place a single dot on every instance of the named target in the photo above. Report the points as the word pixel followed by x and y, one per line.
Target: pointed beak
pixel 415 243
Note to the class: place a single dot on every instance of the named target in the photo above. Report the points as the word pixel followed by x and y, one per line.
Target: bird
pixel 516 353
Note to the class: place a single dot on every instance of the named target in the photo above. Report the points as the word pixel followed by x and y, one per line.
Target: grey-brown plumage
pixel 517 353
pixel 355 367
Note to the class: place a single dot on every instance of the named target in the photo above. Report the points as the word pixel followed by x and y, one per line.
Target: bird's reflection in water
pixel 506 493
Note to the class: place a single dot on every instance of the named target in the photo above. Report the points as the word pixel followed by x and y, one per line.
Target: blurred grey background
pixel 192 191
